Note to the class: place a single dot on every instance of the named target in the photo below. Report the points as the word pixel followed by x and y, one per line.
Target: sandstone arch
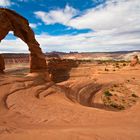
pixel 11 21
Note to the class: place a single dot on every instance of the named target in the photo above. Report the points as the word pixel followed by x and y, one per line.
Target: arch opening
pixel 11 21
pixel 16 55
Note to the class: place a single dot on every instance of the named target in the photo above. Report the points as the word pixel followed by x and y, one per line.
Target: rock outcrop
pixel 11 21
pixel 15 58
pixel 2 66
pixel 134 61
pixel 60 69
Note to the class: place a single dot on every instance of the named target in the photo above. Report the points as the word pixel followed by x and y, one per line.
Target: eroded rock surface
pixel 11 21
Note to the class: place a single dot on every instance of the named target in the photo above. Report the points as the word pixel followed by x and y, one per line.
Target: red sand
pixel 33 109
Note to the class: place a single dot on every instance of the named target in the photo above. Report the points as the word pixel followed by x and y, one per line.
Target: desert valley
pixel 86 99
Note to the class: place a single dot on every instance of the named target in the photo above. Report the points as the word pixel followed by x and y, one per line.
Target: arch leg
pixel 37 58
pixel 2 64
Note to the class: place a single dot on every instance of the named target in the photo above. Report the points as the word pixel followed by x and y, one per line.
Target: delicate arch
pixel 11 21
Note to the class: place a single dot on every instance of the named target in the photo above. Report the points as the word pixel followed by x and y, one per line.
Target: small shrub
pixel 120 107
pixel 107 93
pixel 118 66
pixel 115 85
pixel 134 95
pixel 112 89
pixel 124 64
pixel 106 69
pixel 114 105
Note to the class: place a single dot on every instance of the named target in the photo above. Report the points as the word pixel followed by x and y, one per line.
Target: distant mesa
pixel 11 21
pixel 52 56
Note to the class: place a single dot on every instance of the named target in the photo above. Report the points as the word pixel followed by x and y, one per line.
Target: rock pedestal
pixel 134 61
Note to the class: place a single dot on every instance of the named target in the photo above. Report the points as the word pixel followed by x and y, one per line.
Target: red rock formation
pixel 11 21
pixel 134 61
pixel 60 69
pixel 2 66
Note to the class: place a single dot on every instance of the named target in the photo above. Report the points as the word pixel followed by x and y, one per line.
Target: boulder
pixel 134 61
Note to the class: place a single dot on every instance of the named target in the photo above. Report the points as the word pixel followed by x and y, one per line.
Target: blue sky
pixel 78 25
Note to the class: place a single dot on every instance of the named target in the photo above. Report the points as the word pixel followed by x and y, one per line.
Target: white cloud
pixel 5 3
pixel 23 0
pixel 83 42
pixel 115 25
pixel 33 25
pixel 13 46
pixel 62 16
pixel 112 16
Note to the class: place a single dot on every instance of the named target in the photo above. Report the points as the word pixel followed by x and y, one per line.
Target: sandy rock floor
pixel 31 108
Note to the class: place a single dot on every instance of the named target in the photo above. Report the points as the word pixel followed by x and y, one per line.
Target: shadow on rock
pixel 60 69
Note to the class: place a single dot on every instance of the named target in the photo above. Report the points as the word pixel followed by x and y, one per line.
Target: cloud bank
pixel 5 3
pixel 62 16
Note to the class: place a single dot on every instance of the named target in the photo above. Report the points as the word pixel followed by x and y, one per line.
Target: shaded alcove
pixel 11 21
